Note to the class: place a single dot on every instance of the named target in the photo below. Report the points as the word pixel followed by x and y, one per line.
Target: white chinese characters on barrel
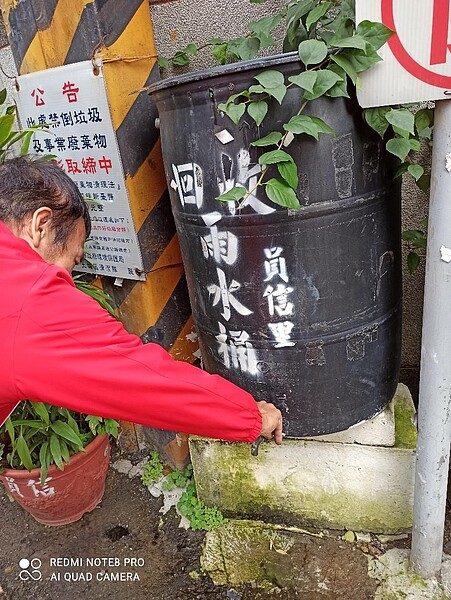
pixel 221 245
pixel 277 293
pixel 236 350
pixel 247 177
pixel 224 292
pixel 188 182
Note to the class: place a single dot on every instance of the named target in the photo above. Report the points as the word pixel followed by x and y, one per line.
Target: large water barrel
pixel 300 308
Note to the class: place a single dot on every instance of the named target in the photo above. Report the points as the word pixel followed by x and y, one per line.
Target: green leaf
pixel 270 79
pixel 401 118
pixel 416 237
pixel 44 461
pixel 375 34
pixel 257 89
pixel 3 94
pixel 244 48
pixel 10 429
pixel 413 261
pixel 274 157
pixel 25 146
pixel 416 171
pixel 315 15
pixel 375 117
pixel 6 125
pixel 424 119
pixel 340 89
pixel 424 183
pixel 401 169
pixel 64 451
pixel 400 147
pixel 289 172
pixel 325 80
pixel 192 50
pixel 112 427
pixel 295 29
pixel 273 83
pixel 180 59
pixel 55 451
pixel 30 423
pixel 343 61
pixel 257 110
pixel 233 111
pixel 41 409
pixel 312 52
pixel 269 140
pixel 73 424
pixel 277 93
pixel 24 453
pixel 219 52
pixel 312 126
pixel 265 24
pixel 281 193
pixel 234 195
pixel 65 431
pixel 305 80
pixel 362 61
pixel 355 41
pixel 163 62
pixel 415 145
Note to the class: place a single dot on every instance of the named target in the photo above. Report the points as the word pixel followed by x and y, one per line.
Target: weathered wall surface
pixel 180 22
pixel 7 67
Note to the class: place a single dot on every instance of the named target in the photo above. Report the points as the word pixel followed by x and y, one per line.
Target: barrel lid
pixel 264 62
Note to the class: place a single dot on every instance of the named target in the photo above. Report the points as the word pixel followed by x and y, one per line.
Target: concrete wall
pixel 179 22
pixel 8 69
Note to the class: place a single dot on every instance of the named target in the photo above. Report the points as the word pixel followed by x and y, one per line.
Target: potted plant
pixel 53 461
pixel 294 276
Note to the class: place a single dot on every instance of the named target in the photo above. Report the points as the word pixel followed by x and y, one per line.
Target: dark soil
pixel 128 525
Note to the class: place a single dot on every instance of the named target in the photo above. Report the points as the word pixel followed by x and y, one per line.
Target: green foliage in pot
pixel 38 435
pixel 332 51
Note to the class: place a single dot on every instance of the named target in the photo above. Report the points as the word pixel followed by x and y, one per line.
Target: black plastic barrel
pixel 300 308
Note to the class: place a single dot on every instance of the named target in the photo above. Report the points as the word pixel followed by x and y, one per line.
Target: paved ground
pixel 162 559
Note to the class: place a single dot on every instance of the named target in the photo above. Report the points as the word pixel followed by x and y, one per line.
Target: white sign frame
pixel 422 36
pixel 72 100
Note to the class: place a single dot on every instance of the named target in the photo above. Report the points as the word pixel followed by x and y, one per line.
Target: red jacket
pixel 57 345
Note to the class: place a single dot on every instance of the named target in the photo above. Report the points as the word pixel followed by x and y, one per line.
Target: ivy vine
pixel 333 51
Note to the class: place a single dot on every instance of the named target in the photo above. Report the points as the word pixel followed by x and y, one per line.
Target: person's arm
pixel 70 352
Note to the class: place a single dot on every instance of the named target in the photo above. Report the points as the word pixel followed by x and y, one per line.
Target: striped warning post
pixel 50 33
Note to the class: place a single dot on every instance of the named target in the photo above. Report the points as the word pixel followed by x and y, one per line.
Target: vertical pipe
pixel 433 448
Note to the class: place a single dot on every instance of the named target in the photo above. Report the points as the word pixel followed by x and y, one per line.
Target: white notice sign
pixel 417 58
pixel 72 100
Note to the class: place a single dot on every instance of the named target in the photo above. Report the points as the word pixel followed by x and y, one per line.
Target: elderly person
pixel 59 346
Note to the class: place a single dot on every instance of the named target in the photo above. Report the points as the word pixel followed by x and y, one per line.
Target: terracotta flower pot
pixel 66 495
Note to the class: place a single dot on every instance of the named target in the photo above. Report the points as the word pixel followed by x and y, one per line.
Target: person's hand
pixel 271 421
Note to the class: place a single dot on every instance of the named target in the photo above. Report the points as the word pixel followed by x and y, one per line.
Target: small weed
pixel 199 515
pixel 177 479
pixel 153 470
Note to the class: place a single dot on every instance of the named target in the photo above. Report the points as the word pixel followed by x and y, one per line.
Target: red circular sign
pixel 404 58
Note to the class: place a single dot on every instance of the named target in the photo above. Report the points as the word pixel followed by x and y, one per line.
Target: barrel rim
pixel 246 65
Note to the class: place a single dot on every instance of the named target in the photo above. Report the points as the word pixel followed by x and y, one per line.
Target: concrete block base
pixel 323 484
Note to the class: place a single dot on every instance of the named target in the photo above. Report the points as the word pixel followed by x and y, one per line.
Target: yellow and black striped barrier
pixel 50 33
